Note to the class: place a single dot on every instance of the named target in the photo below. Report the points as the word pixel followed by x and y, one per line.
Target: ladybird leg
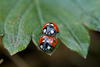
pixel 42 35
pixel 51 38
pixel 54 39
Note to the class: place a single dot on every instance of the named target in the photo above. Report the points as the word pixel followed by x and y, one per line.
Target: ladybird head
pixel 45 45
pixel 49 31
pixel 54 26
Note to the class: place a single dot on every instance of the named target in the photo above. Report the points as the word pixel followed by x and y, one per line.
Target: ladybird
pixel 50 29
pixel 47 43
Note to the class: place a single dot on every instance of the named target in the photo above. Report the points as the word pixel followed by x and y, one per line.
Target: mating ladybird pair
pixel 48 38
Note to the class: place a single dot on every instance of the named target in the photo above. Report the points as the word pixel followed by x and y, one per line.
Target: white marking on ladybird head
pixel 43 41
pixel 52 31
pixel 48 47
pixel 48 41
pixel 51 24
pixel 41 46
pixel 44 30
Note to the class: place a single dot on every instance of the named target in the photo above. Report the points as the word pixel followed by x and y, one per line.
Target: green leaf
pixel 18 25
pixel 22 19
pixel 90 12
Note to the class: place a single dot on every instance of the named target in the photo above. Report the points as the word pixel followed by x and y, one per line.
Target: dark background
pixel 62 57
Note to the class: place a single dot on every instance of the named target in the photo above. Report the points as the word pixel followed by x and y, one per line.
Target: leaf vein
pixel 70 30
pixel 21 21
pixel 9 15
pixel 39 12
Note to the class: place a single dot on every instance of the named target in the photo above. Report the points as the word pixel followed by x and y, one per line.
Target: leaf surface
pixel 22 19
